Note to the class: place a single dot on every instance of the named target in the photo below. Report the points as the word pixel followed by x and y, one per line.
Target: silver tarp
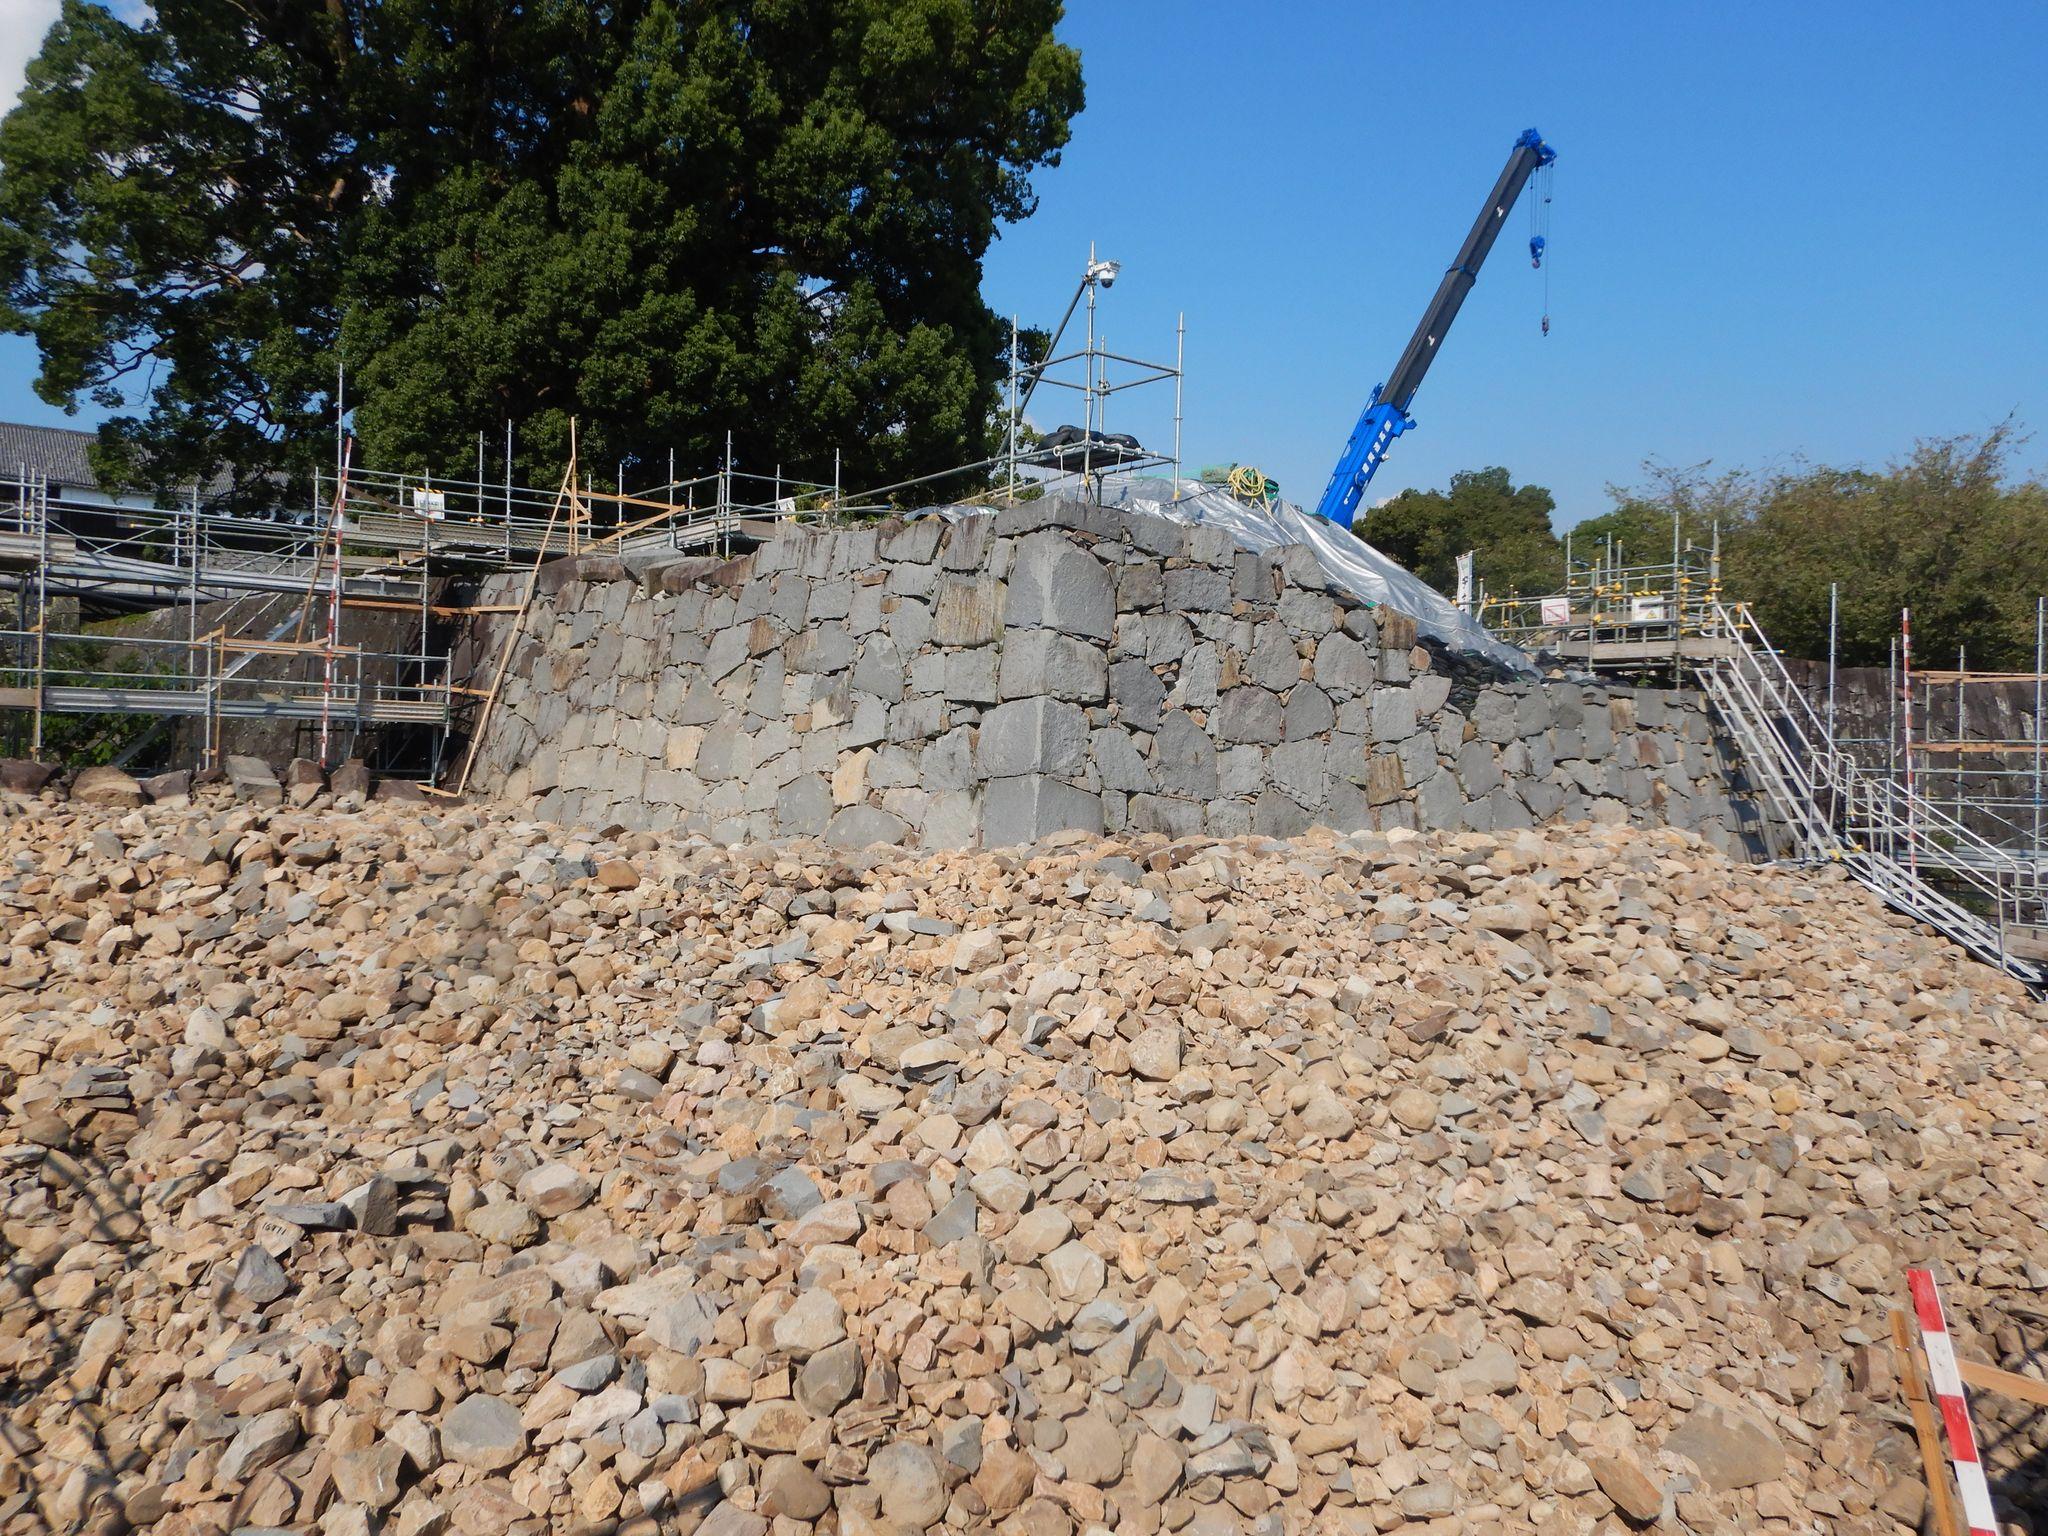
pixel 1351 564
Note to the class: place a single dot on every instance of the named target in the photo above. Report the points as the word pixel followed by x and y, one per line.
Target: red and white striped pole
pixel 1955 1407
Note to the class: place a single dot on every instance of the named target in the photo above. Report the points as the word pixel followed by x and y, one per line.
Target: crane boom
pixel 1385 416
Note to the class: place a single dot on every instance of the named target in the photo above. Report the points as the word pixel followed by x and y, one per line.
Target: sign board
pixel 430 504
pixel 1647 610
pixel 1557 610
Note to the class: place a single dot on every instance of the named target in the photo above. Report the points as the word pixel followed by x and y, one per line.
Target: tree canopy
pixel 1949 531
pixel 670 219
pixel 1507 528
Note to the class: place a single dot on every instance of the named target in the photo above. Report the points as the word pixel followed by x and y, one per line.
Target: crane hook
pixel 1536 244
pixel 1546 325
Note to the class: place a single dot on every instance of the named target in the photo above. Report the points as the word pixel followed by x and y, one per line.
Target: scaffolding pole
pixel 1180 338
pixel 40 510
pixel 348 448
pixel 1906 673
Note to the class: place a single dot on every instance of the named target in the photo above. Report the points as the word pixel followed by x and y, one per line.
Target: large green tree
pixel 1507 527
pixel 1952 531
pixel 670 219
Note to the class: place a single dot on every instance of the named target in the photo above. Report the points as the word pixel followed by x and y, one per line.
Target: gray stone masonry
pixel 1052 666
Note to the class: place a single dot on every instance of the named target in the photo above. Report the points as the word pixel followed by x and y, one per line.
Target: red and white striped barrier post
pixel 1955 1407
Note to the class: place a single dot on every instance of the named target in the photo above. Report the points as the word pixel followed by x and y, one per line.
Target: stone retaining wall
pixel 1053 666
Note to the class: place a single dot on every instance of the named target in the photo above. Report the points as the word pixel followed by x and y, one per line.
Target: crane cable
pixel 1539 232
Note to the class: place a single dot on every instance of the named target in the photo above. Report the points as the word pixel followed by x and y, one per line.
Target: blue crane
pixel 1385 416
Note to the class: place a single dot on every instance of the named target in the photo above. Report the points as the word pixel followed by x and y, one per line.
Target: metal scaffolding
pixel 274 603
pixel 1618 613
pixel 1943 816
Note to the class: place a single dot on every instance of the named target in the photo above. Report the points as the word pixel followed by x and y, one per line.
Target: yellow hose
pixel 1247 483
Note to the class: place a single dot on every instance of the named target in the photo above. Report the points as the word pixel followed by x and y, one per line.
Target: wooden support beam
pixel 1989 1378
pixel 2006 748
pixel 1917 1403
pixel 439 610
pixel 1979 677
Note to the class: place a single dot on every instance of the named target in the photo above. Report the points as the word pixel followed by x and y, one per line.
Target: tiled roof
pixel 58 452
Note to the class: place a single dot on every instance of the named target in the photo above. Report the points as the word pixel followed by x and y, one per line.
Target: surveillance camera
pixel 1103 273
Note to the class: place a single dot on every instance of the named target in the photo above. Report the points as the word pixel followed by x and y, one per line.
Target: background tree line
pixel 666 218
pixel 1952 531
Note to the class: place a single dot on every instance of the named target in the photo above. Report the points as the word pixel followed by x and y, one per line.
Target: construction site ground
pixel 425 1168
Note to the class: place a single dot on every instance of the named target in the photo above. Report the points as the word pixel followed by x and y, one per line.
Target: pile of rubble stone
pixel 420 1168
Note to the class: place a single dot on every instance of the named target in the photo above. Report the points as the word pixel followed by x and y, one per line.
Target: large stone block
pixel 864 611
pixel 1200 680
pixel 970 676
pixel 915 542
pixel 1166 814
pixel 1393 715
pixel 1273 662
pixel 908 621
pixel 967 544
pixel 1140 586
pixel 1429 692
pixel 1228 818
pixel 1254 577
pixel 1056 584
pixel 893 767
pixel 1027 807
pixel 1166 537
pixel 1418 757
pixel 927 670
pixel 1184 757
pixel 726 652
pixel 821 648
pixel 1157 639
pixel 251 776
pixel 1044 661
pixel 862 826
pixel 1344 666
pixel 1533 713
pixel 1544 799
pixel 1032 736
pixel 831 599
pixel 1137 693
pixel 1309 614
pixel 1119 765
pixel 1383 780
pixel 879 669
pixel 1275 815
pixel 917 719
pixel 1197 589
pixel 911 580
pixel 1250 714
pixel 1439 802
pixel 1301 769
pixel 1309 712
pixel 952 819
pixel 1494 716
pixel 1478 769
pixel 1508 810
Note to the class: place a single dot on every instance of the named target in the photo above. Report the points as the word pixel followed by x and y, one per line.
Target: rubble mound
pixel 425 1169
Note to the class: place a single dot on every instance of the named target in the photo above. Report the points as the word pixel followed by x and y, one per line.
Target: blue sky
pixel 1778 230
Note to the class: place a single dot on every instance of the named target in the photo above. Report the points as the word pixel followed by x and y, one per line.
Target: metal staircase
pixel 1832 810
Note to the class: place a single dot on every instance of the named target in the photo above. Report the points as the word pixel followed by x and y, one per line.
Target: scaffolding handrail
pixel 1835 811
